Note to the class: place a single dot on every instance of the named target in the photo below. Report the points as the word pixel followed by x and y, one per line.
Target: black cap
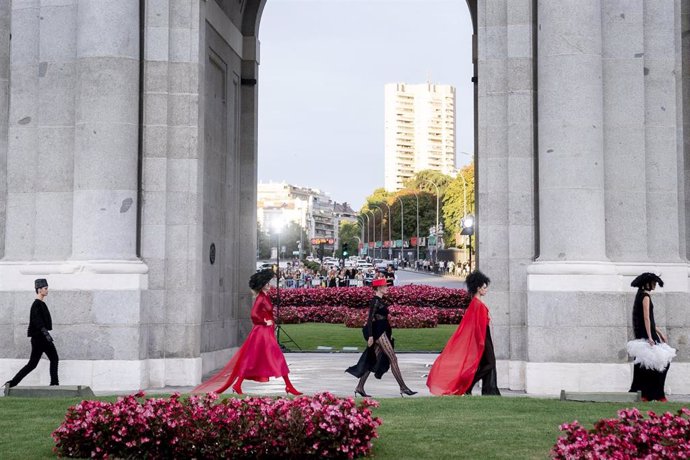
pixel 40 283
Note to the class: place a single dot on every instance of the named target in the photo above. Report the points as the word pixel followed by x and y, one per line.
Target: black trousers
pixel 39 345
pixel 650 382
pixel 486 372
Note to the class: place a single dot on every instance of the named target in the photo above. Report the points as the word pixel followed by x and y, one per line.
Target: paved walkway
pixel 318 372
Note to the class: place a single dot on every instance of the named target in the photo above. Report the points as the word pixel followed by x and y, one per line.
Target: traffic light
pixel 344 250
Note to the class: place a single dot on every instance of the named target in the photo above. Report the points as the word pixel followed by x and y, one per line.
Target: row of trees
pixel 456 199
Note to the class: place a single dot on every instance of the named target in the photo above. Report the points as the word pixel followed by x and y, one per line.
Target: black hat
pixel 646 278
pixel 40 283
pixel 260 279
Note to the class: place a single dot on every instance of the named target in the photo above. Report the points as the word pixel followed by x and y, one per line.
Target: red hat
pixel 379 282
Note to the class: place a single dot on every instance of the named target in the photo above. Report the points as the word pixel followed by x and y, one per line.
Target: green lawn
pixel 311 335
pixel 413 428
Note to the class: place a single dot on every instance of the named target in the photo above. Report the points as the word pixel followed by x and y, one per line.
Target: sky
pixel 323 67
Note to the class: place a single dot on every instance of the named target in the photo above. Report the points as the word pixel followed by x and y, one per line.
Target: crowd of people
pixel 461 269
pixel 298 275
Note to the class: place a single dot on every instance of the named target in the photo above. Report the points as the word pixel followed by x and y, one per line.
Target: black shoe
pixel 407 392
pixel 361 393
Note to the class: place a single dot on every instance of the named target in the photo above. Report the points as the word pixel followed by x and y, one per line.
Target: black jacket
pixel 39 319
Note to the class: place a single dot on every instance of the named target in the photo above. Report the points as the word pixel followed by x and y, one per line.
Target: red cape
pixel 259 357
pixel 454 369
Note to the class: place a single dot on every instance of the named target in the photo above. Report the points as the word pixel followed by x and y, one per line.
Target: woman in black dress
pixel 652 355
pixel 379 355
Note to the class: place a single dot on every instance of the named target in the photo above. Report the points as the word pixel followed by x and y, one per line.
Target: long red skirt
pixel 258 359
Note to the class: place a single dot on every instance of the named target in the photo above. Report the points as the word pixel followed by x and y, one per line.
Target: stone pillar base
pixel 112 375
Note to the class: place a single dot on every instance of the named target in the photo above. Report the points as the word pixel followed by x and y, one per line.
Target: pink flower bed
pixel 400 316
pixel 630 436
pixel 358 297
pixel 415 306
pixel 322 426
pixel 331 315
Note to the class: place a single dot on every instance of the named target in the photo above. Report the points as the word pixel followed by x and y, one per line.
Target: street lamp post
pixel 373 229
pixel 367 236
pixel 468 229
pixel 277 227
pixel 402 229
pixel 438 195
pixel 389 230
pixel 417 196
pixel 381 249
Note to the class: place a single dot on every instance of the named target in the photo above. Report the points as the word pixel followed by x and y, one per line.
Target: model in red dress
pixel 469 354
pixel 260 356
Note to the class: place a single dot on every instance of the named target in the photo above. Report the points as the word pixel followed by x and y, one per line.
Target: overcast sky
pixel 323 67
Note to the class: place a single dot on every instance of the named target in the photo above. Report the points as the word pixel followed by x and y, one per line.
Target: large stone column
pixel 624 130
pixel 4 110
pixel 106 130
pixel 570 105
pixel 660 131
pixel 572 319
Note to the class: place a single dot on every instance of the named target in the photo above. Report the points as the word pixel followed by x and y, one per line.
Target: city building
pixel 419 131
pixel 312 209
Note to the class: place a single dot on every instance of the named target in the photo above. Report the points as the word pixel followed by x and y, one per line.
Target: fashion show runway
pixel 318 372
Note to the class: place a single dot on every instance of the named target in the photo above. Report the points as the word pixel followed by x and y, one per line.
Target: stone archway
pixel 115 188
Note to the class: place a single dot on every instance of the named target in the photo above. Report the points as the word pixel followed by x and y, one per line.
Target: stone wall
pixel 601 79
pixel 5 17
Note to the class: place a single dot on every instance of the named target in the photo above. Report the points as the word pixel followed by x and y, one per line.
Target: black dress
pixel 650 382
pixel 377 325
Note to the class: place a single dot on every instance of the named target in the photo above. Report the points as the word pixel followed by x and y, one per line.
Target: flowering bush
pixel 331 315
pixel 413 306
pixel 358 297
pixel 630 436
pixel 322 426
pixel 400 316
pixel 449 315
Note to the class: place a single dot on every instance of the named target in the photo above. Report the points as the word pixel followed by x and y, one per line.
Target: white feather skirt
pixel 655 357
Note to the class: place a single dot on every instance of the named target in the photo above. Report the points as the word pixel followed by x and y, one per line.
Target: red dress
pixel 259 357
pixel 454 369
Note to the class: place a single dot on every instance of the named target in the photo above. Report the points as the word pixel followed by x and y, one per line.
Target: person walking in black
pixel 40 323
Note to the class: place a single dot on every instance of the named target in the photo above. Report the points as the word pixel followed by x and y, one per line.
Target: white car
pixel 263 266
pixel 364 265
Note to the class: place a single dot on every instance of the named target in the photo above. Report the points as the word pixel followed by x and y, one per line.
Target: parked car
pixel 263 266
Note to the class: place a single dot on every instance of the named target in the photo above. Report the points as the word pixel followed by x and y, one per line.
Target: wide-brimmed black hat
pixel 646 278
pixel 260 279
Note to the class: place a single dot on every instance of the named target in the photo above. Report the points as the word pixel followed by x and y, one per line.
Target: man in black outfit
pixel 41 341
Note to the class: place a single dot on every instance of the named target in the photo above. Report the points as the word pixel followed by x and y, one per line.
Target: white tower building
pixel 419 131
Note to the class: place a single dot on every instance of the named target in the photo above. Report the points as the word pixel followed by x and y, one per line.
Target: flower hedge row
pixel 401 316
pixel 322 426
pixel 630 436
pixel 358 297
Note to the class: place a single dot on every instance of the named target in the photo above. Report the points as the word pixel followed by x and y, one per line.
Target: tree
pixel 289 239
pixel 348 234
pixel 425 180
pixel 458 201
pixel 263 243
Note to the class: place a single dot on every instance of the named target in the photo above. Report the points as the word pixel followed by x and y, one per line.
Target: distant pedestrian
pixel 40 323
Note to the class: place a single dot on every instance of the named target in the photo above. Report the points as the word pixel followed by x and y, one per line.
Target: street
pixel 404 277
